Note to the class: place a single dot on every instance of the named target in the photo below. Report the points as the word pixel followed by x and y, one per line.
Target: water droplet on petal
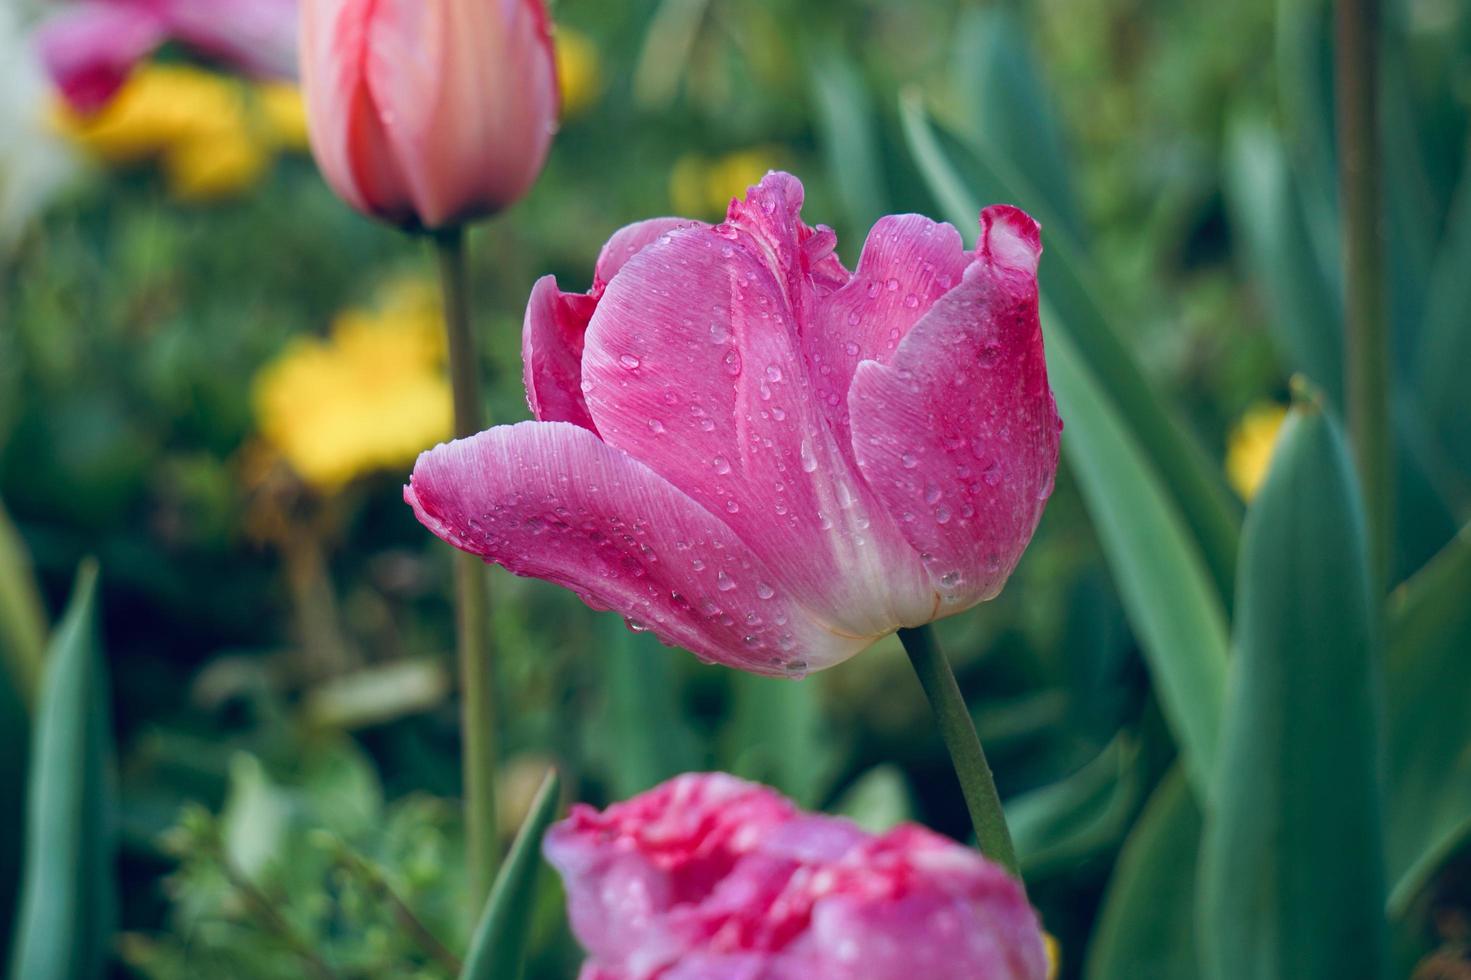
pixel 732 362
pixel 809 461
pixel 724 582
pixel 932 493
pixel 629 361
pixel 721 464
pixel 773 373
pixel 764 591
pixel 909 461
pixel 656 427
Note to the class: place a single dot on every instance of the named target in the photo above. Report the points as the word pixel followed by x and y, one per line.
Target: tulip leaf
pixel 64 928
pixel 878 800
pixel 1155 563
pixel 961 177
pixel 1058 825
pixel 1000 85
pixel 1146 928
pixel 22 614
pixel 1268 211
pixel 1292 861
pixel 498 947
pixel 644 737
pixel 844 117
pixel 1444 342
pixel 1429 728
pixel 778 736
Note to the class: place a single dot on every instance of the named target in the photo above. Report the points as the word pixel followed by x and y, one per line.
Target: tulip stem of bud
pixel 1366 340
pixel 472 594
pixel 959 734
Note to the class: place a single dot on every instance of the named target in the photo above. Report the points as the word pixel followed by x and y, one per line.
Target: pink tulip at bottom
pixel 759 455
pixel 708 877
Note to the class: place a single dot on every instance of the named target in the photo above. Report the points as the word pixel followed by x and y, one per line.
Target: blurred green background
pixel 276 627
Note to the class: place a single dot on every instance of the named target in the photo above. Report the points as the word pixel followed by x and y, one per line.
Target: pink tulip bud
pixel 429 114
pixel 708 877
pixel 759 455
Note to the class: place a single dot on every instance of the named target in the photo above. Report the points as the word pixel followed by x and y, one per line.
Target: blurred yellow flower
pixel 213 135
pixel 579 72
pixel 369 397
pixel 1249 448
pixel 1054 955
pixel 701 187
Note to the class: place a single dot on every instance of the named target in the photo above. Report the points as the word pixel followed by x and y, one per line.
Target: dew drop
pixel 932 493
pixel 656 427
pixel 942 514
pixel 721 464
pixel 851 349
pixel 853 319
pixel 911 301
pixel 909 461
pixel 636 626
pixel 809 461
pixel 892 285
pixel 629 361
pixel 732 362
pixel 764 591
pixel 724 582
pixel 732 506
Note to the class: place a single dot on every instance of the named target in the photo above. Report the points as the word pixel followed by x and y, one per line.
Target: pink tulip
pixel 759 455
pixel 708 877
pixel 429 114
pixel 89 48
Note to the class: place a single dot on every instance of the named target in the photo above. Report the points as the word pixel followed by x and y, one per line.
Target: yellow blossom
pixel 700 187
pixel 370 397
pixel 1054 955
pixel 579 72
pixel 283 110
pixel 213 135
pixel 1249 449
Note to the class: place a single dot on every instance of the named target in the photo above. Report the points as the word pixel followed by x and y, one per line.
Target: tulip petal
pixel 89 49
pixel 551 501
pixel 908 263
pixel 467 93
pixel 630 240
pixel 256 35
pixel 551 353
pixel 552 335
pixel 693 365
pixel 347 137
pixel 958 433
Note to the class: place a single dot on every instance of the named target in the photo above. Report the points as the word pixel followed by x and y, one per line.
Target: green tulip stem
pixel 959 734
pixel 1366 335
pixel 472 594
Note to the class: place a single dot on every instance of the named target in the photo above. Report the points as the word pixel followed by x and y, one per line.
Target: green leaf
pixel 1146 928
pixel 1000 85
pixel 1445 343
pixel 644 736
pixel 65 925
pixel 1266 208
pixel 1292 876
pixel 1057 826
pixel 498 948
pixel 961 177
pixel 1155 563
pixel 22 615
pixel 844 118
pixel 878 800
pixel 778 735
pixel 1429 726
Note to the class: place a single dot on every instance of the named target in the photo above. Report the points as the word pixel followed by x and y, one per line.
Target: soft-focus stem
pixel 472 596
pixel 959 734
pixel 1366 335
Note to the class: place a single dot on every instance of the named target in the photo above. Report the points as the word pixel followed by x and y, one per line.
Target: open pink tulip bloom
pixel 429 114
pixel 90 47
pixel 759 455
pixel 708 877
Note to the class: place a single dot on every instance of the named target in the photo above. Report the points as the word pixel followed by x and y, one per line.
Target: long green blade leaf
pixel 1146 929
pixel 22 615
pixel 1429 726
pixel 1156 567
pixel 850 144
pixel 1292 878
pixel 498 948
pixel 65 924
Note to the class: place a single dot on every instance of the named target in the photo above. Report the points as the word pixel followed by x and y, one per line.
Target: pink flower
pixel 759 455
pixel 708 877
pixel 429 114
pixel 89 48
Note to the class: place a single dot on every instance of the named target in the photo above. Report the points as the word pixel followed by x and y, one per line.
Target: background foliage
pixel 279 771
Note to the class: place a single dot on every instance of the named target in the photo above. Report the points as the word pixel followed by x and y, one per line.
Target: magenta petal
pixel 551 501
pixel 551 353
pixel 908 263
pixel 258 36
pixel 693 365
pixel 89 49
pixel 958 433
pixel 628 241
